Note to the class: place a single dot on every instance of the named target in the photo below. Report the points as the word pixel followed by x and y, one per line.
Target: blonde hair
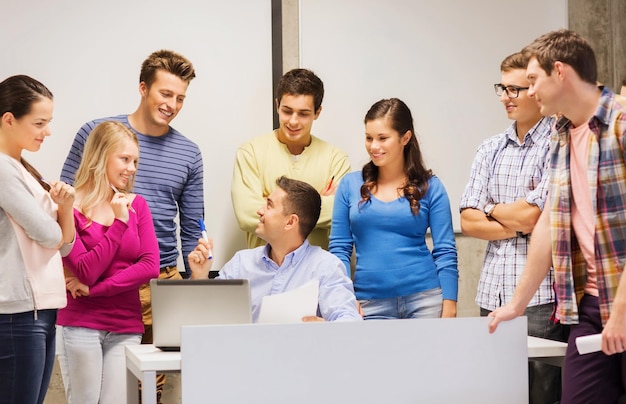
pixel 91 177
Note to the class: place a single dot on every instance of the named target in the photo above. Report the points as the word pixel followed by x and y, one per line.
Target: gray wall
pixel 602 23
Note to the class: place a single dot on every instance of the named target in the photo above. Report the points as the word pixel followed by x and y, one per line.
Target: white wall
pixel 440 57
pixel 89 54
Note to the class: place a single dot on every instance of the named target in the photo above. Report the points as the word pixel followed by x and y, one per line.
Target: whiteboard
pixel 89 54
pixel 440 57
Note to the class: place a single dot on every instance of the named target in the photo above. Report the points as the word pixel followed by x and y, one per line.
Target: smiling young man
pixel 290 150
pixel 502 202
pixel 287 261
pixel 171 174
pixel 582 232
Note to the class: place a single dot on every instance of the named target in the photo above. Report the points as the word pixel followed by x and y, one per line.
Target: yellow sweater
pixel 263 159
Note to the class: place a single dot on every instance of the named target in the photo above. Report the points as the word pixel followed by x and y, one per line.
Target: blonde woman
pixel 35 223
pixel 115 252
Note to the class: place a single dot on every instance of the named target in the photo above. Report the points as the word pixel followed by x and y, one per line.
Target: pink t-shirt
pixel 583 219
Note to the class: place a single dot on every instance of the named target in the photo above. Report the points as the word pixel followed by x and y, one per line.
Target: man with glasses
pixel 582 230
pixel 501 203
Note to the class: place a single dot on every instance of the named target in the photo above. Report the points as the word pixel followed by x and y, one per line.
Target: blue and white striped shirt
pixel 505 170
pixel 170 178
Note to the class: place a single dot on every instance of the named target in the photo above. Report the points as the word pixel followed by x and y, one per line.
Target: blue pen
pixel 204 236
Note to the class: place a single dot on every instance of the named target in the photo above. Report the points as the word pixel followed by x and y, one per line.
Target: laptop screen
pixel 180 302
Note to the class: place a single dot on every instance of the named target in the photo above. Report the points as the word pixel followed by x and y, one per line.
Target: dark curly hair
pixel 401 120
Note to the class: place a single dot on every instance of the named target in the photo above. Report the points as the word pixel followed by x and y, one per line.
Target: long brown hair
pixel 17 96
pixel 399 115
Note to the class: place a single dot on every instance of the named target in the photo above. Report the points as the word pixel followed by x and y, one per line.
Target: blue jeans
pixel 544 380
pixel 93 365
pixel 427 304
pixel 26 356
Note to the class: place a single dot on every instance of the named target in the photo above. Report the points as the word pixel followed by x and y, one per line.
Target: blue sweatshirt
pixel 392 258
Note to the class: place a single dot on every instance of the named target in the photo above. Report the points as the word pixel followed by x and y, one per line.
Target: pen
pixel 330 183
pixel 204 236
pixel 117 192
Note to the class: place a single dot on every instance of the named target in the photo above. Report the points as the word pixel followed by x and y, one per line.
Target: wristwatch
pixel 489 209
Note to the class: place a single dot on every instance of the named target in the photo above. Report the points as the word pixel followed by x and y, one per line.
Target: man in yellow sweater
pixel 291 151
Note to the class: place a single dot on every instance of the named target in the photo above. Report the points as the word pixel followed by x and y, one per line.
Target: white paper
pixel 290 307
pixel 589 343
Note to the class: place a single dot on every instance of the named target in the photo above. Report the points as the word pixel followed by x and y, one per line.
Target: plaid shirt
pixel 505 170
pixel 607 180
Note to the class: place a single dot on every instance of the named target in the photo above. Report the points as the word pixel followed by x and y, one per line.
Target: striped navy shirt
pixel 170 178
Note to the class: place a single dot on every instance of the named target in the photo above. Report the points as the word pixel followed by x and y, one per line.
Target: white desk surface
pixel 143 361
pixel 147 357
pixel 545 348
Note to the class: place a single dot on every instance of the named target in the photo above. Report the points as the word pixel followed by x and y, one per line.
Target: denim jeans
pixel 26 356
pixel 427 304
pixel 544 380
pixel 93 365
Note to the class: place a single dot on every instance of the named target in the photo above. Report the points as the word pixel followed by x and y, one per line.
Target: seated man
pixel 288 261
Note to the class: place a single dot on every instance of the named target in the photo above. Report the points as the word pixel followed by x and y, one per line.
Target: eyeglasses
pixel 511 91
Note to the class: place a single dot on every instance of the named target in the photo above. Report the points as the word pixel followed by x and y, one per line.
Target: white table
pixel 546 350
pixel 144 361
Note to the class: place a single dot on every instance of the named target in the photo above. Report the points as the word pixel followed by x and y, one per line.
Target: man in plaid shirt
pixel 583 231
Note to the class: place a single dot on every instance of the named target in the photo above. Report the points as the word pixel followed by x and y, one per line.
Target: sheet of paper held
pixel 589 343
pixel 290 307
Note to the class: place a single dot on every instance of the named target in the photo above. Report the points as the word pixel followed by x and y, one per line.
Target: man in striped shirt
pixel 170 174
pixel 502 202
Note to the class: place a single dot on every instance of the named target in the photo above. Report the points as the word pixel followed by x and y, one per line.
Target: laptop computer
pixel 179 302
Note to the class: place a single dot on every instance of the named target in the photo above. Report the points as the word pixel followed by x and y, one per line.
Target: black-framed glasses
pixel 511 91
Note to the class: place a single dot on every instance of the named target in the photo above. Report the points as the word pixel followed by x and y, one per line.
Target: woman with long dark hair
pixel 36 228
pixel 384 212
